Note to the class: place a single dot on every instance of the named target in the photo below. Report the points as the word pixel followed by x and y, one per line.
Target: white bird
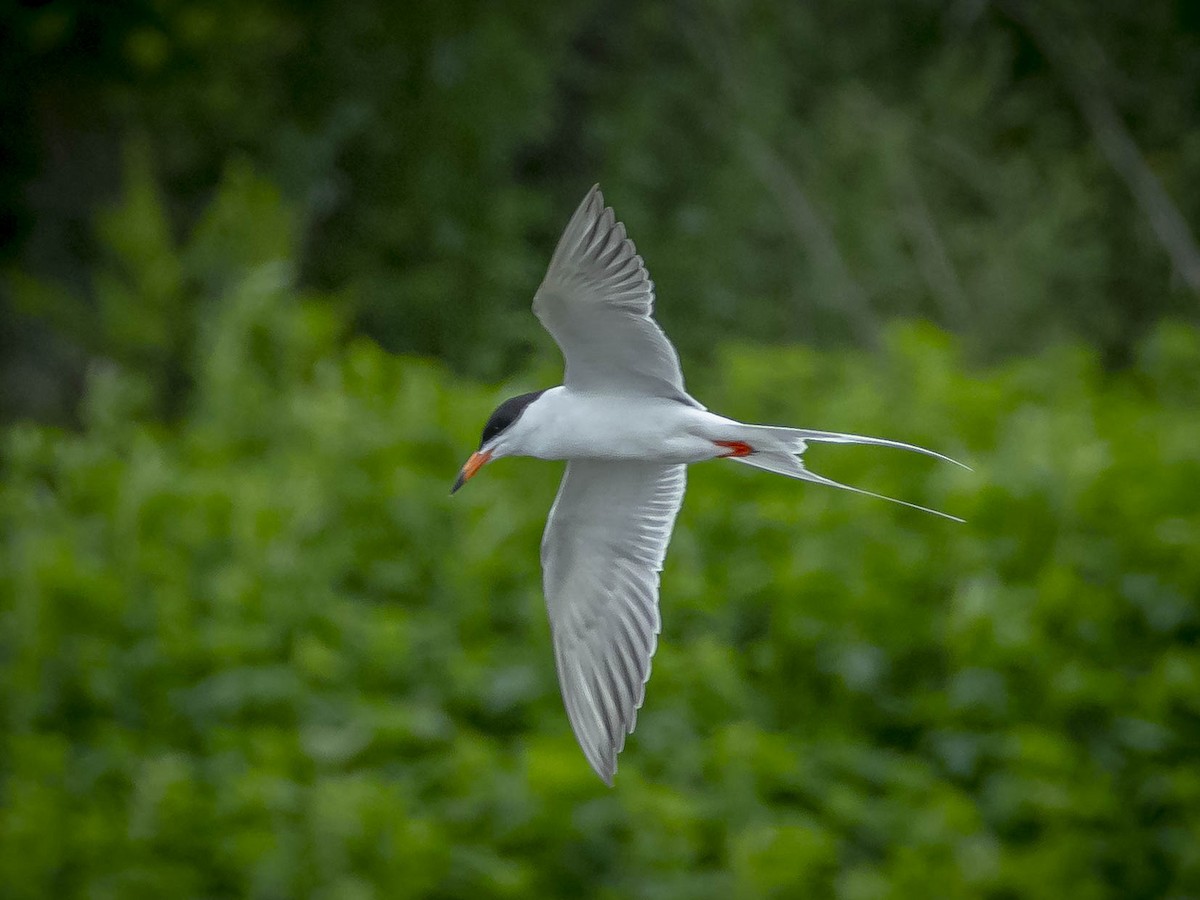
pixel 628 430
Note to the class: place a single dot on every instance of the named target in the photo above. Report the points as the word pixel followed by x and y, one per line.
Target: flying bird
pixel 628 429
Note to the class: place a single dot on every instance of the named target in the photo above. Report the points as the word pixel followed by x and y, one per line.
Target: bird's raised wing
pixel 597 303
pixel 602 552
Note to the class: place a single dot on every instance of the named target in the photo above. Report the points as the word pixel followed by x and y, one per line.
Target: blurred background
pixel 266 267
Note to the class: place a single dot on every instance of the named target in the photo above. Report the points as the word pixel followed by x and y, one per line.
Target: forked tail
pixel 778 450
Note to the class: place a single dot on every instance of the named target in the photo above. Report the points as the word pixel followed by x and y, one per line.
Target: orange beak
pixel 473 465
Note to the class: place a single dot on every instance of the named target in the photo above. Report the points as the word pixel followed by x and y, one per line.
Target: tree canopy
pixel 791 172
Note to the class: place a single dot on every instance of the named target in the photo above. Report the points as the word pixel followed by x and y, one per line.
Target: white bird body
pixel 627 428
pixel 567 424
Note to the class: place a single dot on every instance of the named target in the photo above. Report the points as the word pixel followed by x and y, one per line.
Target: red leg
pixel 736 448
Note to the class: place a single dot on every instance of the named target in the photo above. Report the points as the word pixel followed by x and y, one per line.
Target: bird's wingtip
pixel 605 769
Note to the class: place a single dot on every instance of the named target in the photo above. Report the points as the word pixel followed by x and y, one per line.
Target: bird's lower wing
pixel 602 552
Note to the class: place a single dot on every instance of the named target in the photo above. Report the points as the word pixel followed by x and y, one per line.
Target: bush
pixel 256 650
pixel 260 652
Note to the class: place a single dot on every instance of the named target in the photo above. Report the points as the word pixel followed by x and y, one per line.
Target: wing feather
pixel 597 302
pixel 602 552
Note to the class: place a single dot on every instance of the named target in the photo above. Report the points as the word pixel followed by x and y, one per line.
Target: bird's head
pixel 502 436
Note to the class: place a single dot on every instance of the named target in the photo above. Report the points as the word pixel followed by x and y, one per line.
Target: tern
pixel 628 430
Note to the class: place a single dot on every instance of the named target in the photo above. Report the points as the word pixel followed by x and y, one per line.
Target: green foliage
pixel 258 651
pixel 153 293
pixel 250 647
